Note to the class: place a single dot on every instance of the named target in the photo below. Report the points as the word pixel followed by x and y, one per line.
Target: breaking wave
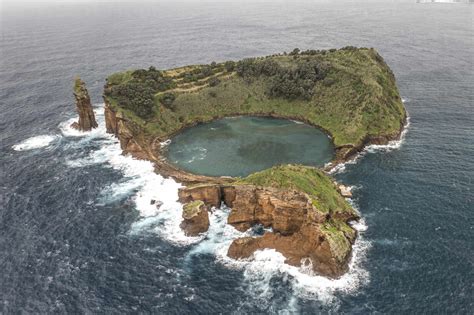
pixel 374 148
pixel 156 200
pixel 36 142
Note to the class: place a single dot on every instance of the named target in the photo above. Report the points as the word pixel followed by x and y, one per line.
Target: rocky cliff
pixel 136 142
pixel 83 107
pixel 302 208
pixel 298 227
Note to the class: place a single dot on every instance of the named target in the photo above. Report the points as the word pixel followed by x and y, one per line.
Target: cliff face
pixel 134 140
pixel 84 107
pixel 127 132
pixel 300 231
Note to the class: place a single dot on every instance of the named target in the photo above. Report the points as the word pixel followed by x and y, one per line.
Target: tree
pixel 167 100
pixel 295 52
pixel 229 66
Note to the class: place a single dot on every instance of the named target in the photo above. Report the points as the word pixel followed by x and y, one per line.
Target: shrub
pixel 229 66
pixel 167 100
pixel 214 81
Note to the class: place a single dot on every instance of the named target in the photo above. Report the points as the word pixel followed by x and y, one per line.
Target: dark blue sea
pixel 78 233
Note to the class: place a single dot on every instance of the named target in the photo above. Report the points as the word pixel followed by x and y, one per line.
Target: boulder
pixel 195 218
pixel 345 191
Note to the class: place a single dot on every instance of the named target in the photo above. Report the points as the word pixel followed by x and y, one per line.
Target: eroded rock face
pixel 282 210
pixel 110 119
pixel 195 218
pixel 300 232
pixel 308 245
pixel 84 107
pixel 209 194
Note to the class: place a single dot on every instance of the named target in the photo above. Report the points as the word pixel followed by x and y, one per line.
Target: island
pixel 350 93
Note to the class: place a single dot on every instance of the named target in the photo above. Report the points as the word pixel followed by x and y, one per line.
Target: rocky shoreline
pixel 298 230
pixel 295 226
pixel 151 148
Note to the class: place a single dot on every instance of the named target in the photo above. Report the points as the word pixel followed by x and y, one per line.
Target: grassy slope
pixel 358 98
pixel 325 196
pixel 303 178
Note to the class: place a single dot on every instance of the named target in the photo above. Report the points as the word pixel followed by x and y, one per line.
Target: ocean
pixel 78 233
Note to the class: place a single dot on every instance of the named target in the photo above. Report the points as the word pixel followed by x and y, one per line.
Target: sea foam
pixel 36 142
pixel 142 183
pixel 374 148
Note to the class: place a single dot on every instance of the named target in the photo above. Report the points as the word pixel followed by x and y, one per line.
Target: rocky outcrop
pixel 129 134
pixel 282 210
pixel 299 230
pixel 210 194
pixel 84 107
pixel 310 245
pixel 110 119
pixel 345 191
pixel 195 218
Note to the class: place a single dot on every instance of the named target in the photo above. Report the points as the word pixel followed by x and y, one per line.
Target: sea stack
pixel 84 107
pixel 195 218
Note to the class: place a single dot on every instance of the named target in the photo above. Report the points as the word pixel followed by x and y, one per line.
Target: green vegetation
pixel 79 86
pixel 349 92
pixel 340 245
pixel 136 90
pixel 307 179
pixel 325 198
pixel 192 208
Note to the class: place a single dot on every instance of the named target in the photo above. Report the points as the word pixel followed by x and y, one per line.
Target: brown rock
pixel 84 107
pixel 282 210
pixel 195 218
pixel 309 245
pixel 210 194
pixel 300 232
pixel 110 120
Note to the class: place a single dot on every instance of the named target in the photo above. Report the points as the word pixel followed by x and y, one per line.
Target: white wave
pixel 165 143
pixel 268 263
pixel 298 122
pixel 373 148
pixel 142 184
pixel 392 145
pixel 36 142
pixel 201 154
pixel 139 182
pixel 100 131
pixel 341 167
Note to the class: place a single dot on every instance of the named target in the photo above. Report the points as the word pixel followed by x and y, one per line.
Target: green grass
pixel 338 242
pixel 307 179
pixel 358 98
pixel 79 86
pixel 192 208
